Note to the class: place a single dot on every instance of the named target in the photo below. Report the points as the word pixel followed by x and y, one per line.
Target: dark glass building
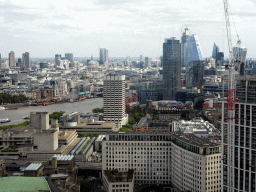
pixel 171 67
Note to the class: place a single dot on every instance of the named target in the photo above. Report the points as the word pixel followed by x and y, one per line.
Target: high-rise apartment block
pixel 12 59
pixel 26 59
pixel 103 55
pixel 171 68
pixel 183 160
pixel 239 156
pixel 184 44
pixel 148 61
pixel 114 99
pixel 69 56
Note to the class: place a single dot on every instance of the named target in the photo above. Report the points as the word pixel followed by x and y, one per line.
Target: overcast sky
pixel 126 28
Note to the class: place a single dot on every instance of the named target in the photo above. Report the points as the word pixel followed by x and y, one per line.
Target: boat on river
pixel 4 120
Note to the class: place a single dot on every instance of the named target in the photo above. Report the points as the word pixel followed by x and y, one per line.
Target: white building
pixel 186 161
pixel 114 100
pixel 197 126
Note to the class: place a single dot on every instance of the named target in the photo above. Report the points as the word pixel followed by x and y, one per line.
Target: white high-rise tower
pixel 114 100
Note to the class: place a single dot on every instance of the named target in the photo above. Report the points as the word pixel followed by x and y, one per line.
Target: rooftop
pixel 17 184
pixel 64 157
pixel 34 167
pixel 194 140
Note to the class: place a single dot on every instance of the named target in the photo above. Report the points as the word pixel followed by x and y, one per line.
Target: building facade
pixel 184 160
pixel 194 74
pixel 171 67
pixel 114 100
pixel 194 50
pixel 69 56
pixel 184 44
pixel 103 55
pixel 148 61
pixel 26 59
pixel 11 59
pixel 239 174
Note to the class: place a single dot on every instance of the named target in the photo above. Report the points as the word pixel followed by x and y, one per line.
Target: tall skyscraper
pixel 25 59
pixel 215 51
pixel 69 56
pixel 171 67
pixel 114 100
pixel 184 44
pixel 148 62
pixel 194 50
pixel 239 156
pixel 103 55
pixel 57 59
pixel 12 59
pixel 140 57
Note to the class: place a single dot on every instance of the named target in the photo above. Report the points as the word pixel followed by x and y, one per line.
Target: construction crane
pixel 228 149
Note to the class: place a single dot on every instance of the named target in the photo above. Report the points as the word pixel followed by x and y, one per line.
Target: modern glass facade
pixel 194 50
pixel 194 74
pixel 184 44
pixel 171 67
pixel 215 51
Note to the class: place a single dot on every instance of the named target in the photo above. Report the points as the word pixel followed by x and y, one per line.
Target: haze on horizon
pixel 46 28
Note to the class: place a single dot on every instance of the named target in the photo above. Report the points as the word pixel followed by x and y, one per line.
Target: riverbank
pixel 16 116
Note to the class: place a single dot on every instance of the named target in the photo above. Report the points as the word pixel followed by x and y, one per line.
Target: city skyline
pixel 47 28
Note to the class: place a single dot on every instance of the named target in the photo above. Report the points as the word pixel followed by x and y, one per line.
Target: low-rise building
pixel 34 170
pixel 115 181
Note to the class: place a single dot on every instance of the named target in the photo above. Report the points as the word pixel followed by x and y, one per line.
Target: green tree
pixel 56 115
pixel 98 110
pixel 131 121
pixel 187 113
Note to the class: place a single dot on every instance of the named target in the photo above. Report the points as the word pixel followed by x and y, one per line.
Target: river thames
pixel 16 116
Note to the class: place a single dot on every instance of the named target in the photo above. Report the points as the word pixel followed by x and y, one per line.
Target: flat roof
pixel 17 184
pixel 190 138
pixel 34 167
pixel 67 135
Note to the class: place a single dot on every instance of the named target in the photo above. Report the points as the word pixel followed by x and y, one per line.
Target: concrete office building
pixel 11 59
pixel 242 168
pixel 114 100
pixel 171 68
pixel 46 137
pixel 186 161
pixel 103 55
pixel 26 59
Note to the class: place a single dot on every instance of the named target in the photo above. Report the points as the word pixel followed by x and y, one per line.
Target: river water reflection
pixel 16 116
